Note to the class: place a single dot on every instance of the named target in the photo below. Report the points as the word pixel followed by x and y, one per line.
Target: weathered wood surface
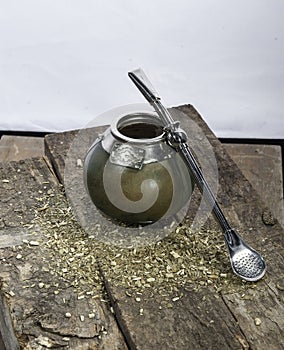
pixel 262 166
pixel 39 300
pixel 253 319
pixel 20 147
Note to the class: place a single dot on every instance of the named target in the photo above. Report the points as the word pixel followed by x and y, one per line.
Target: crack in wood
pixel 51 168
pixel 117 314
pixel 242 340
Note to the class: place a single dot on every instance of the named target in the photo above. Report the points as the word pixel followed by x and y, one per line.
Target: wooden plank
pixel 14 148
pixel 47 309
pixel 243 206
pixel 192 323
pixel 262 166
pixel 20 184
pixel 62 147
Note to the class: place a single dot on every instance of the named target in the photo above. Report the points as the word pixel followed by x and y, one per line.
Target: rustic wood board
pixel 14 148
pixel 250 320
pixel 37 299
pixel 262 166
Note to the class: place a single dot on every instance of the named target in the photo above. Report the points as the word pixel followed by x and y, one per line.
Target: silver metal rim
pixel 135 118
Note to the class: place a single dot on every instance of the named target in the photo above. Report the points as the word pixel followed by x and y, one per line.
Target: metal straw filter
pixel 245 261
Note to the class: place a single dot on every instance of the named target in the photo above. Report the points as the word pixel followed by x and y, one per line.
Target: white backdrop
pixel 62 62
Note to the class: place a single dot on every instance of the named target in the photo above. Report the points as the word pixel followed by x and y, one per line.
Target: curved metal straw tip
pixel 142 82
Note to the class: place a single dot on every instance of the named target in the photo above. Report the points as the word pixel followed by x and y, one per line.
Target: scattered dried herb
pixel 184 258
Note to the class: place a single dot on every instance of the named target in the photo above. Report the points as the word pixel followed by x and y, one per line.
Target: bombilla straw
pixel 245 261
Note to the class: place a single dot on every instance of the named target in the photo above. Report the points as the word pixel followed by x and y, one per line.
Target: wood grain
pixel 37 311
pixel 201 319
